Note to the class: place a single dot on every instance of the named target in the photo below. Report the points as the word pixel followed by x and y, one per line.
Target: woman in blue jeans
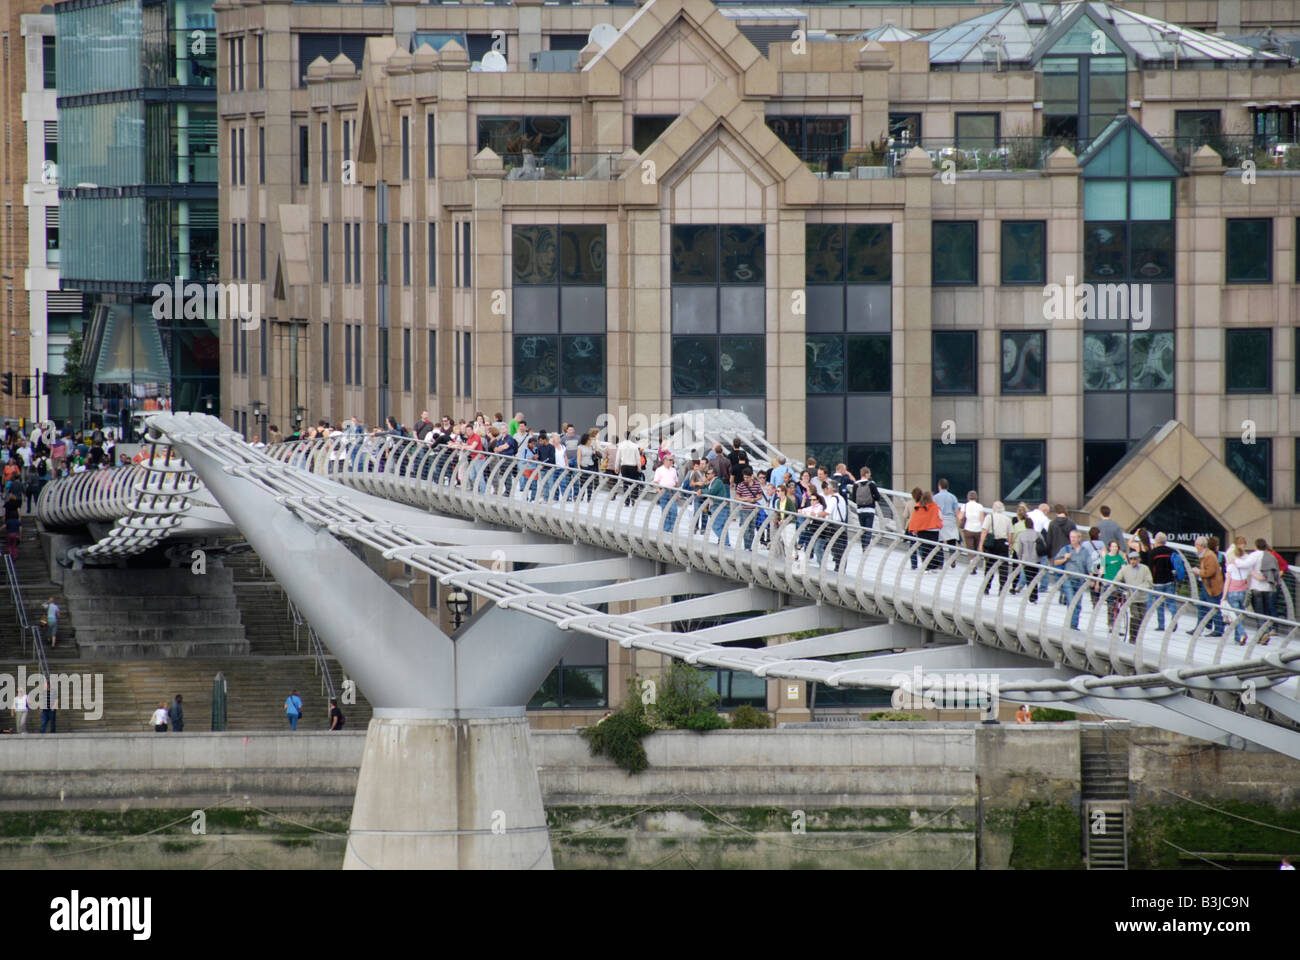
pixel 1237 571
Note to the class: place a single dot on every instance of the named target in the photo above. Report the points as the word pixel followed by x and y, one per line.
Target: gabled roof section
pixel 1026 31
pixel 1161 461
pixel 720 107
pixel 605 70
pixel 1124 149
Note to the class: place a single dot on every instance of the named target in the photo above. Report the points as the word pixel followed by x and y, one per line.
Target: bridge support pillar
pixel 448 790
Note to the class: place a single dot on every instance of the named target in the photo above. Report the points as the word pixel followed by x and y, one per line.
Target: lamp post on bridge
pixel 457 606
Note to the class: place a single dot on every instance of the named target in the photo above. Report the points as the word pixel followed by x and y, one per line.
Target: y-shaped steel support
pixel 447 779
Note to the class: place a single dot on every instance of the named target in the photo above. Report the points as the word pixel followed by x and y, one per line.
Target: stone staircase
pixel 34 578
pixel 256 688
pixel 263 607
pixel 1104 786
pixel 136 613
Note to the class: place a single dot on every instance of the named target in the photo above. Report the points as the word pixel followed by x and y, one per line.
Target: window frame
pixel 1227 251
pixel 1002 383
pixel 1002 458
pixel 973 336
pixel 973 225
pixel 1264 443
pixel 1228 353
pixel 1002 254
pixel 960 115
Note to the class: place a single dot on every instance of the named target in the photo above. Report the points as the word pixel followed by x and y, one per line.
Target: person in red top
pixel 474 444
pixel 925 523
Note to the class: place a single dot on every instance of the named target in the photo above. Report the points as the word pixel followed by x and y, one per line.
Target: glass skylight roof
pixel 1025 31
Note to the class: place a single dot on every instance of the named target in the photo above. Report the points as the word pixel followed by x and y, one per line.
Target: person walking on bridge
pixel 1076 559
pixel 1134 574
pixel 1211 575
pixel 995 540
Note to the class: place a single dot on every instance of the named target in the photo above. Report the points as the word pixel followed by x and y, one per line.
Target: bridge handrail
pixel 358 457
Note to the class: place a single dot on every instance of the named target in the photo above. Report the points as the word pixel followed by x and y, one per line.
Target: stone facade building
pixel 1048 251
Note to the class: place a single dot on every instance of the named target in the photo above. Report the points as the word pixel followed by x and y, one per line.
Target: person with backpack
pixel 1160 561
pixel 1266 582
pixel 865 496
pixel 1030 547
pixel 995 540
pixel 836 514
pixel 293 709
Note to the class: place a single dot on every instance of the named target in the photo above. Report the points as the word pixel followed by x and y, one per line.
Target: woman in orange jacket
pixel 925 522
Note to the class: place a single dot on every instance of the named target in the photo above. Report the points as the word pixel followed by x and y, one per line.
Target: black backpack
pixel 866 494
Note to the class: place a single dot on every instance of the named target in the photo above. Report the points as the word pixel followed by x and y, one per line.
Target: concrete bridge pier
pixel 448 790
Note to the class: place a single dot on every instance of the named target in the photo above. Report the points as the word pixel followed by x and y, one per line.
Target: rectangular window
pixel 261 250
pixel 261 62
pixel 853 253
pixel 1250 251
pixel 347 142
pixel 356 354
pixel 234 343
pixel 325 253
pixel 905 127
pixel 978 131
pixel 1252 463
pixel 954 252
pixel 1024 470
pixel 1195 128
pixel 433 363
pixel 242 154
pixel 239 47
pixel 433 254
pixel 381 235
pixel 234 158
pixel 324 152
pixel 1024 361
pixel 1024 252
pixel 406 358
pixel 382 361
pixel 1248 361
pixel 857 363
pixel 49 63
pixel 304 151
pixel 325 352
pixel 406 148
pixel 347 253
pixel 1099 457
pixel 262 338
pixel 430 153
pixel 465 252
pixel 952 362
pixel 406 254
pixel 356 252
pixel 243 350
pixel 243 251
pixel 955 462
pixel 466 377
pixel 347 354
pixel 261 154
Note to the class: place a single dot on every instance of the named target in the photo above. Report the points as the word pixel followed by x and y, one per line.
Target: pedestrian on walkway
pixel 1211 586
pixel 336 715
pixel 293 709
pixel 178 715
pixel 20 708
pixel 51 622
pixel 159 719
pixel 1134 574
pixel 995 541
pixel 49 710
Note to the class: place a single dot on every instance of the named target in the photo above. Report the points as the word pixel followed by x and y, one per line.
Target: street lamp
pixel 207 402
pixel 259 417
pixel 299 414
pixel 457 605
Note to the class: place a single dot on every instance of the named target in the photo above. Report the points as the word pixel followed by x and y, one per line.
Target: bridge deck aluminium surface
pixel 1091 665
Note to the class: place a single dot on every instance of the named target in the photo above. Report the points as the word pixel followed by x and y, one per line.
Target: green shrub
pixel 896 715
pixel 1048 715
pixel 618 736
pixel 704 719
pixel 684 693
pixel 748 718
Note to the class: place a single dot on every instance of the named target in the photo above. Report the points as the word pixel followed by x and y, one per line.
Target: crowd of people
pixel 1242 579
pixel 31 458
pixel 806 504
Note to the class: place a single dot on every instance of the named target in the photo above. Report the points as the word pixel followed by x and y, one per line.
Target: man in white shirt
pixel 20 708
pixel 1040 517
pixel 666 477
pixel 629 464
pixel 971 520
pixel 948 505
